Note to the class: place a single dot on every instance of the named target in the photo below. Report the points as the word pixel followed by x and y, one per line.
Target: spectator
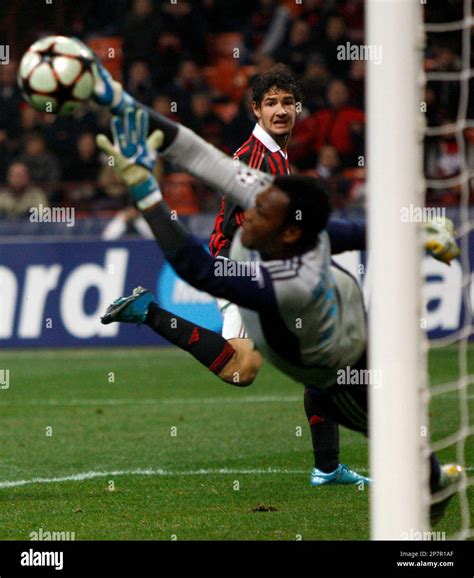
pixel 329 163
pixel 311 13
pixel 163 105
pixel 104 18
pixel 139 83
pixel 31 119
pixel 228 16
pixel 169 53
pixel 179 192
pixel 447 93
pixel 19 196
pixel 315 82
pixel 243 123
pixel 356 83
pixel 449 159
pixel 85 165
pixel 9 118
pixel 43 166
pixel 266 30
pixel 203 120
pixel 334 36
pixel 141 34
pixel 10 100
pixel 188 81
pixel 263 63
pixel 353 13
pixel 299 47
pixel 185 20
pixel 340 125
pixel 60 133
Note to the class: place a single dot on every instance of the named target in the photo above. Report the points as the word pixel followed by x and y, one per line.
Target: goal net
pixel 449 172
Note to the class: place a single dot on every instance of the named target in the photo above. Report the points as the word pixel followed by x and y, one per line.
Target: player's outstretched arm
pixel 133 158
pixel 346 235
pixel 183 147
pixel 350 235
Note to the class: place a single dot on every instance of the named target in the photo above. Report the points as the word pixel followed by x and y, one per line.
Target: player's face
pixel 264 224
pixel 276 113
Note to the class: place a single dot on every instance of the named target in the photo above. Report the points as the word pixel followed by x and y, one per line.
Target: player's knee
pixel 238 376
pixel 241 369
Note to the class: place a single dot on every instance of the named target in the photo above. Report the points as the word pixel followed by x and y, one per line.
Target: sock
pixel 324 434
pixel 435 473
pixel 208 347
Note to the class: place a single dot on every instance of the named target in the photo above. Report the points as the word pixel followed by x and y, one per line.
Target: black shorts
pixel 347 405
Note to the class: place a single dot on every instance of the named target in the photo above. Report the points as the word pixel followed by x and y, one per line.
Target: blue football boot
pixel 131 309
pixel 342 475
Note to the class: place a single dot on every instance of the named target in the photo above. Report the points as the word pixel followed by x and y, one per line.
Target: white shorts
pixel 232 324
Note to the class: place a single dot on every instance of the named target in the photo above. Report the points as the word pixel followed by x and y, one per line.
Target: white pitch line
pixel 149 472
pixel 161 472
pixel 124 401
pixel 183 401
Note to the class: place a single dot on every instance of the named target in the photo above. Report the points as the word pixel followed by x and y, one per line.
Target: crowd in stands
pixel 193 61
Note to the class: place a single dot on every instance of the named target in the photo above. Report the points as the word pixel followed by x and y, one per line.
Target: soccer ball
pixel 55 74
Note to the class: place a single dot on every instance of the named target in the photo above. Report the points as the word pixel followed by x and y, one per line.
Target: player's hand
pixel 107 91
pixel 134 155
pixel 440 240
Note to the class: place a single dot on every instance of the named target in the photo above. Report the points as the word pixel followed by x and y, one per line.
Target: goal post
pixel 398 424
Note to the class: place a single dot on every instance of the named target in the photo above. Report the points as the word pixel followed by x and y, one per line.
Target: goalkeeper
pixel 302 313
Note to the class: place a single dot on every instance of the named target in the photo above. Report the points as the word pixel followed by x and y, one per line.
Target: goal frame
pixel 397 348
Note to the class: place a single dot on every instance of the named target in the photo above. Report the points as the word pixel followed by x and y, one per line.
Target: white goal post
pixel 398 422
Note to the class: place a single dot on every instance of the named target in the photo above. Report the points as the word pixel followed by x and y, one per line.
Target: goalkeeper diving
pixel 302 312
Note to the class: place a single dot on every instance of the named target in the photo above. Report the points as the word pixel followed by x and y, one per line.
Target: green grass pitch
pixel 117 444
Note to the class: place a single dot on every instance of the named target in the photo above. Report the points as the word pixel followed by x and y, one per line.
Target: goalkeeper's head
pixel 287 218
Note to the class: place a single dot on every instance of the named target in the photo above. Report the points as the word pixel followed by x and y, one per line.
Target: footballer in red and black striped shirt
pixel 275 110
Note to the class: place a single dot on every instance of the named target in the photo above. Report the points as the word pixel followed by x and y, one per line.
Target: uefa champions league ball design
pixel 55 74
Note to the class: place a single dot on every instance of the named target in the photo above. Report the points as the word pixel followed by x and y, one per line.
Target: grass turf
pixel 173 453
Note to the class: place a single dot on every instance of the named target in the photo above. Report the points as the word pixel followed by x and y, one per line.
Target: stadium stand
pixel 194 60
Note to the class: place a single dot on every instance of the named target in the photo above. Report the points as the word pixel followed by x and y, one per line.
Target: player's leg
pixel 324 431
pixel 244 365
pixel 324 434
pixel 233 331
pixel 237 366
pixel 348 406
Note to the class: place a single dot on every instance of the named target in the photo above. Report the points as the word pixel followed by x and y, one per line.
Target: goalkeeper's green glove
pixel 440 240
pixel 107 91
pixel 134 155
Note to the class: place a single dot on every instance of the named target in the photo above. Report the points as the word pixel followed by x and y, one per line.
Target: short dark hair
pixel 280 77
pixel 309 207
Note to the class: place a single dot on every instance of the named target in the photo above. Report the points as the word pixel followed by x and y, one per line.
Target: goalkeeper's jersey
pixel 304 314
pixel 318 322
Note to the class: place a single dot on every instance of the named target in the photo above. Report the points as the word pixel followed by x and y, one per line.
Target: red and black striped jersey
pixel 266 156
